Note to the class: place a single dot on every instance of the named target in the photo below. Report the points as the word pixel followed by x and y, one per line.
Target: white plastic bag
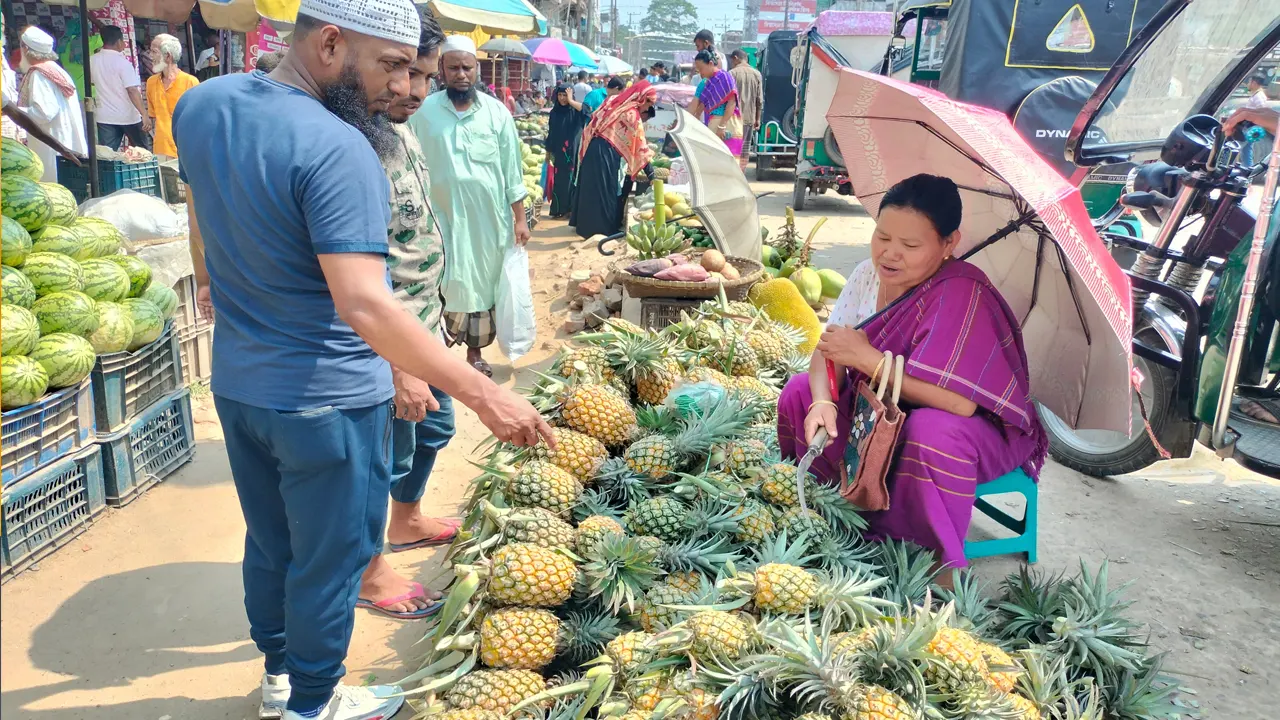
pixel 144 220
pixel 517 326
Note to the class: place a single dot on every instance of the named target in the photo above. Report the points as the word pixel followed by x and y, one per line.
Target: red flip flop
pixel 382 606
pixel 442 538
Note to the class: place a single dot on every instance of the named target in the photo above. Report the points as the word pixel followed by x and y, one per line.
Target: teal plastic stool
pixel 1024 541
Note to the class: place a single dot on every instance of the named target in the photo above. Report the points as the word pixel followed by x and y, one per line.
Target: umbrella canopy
pixel 554 51
pixel 1024 226
pixel 496 17
pixel 505 46
pixel 610 65
pixel 718 191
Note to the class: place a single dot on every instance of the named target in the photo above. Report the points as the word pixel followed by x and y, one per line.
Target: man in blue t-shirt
pixel 290 247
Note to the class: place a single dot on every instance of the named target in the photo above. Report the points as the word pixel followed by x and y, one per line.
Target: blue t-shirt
pixel 595 99
pixel 278 179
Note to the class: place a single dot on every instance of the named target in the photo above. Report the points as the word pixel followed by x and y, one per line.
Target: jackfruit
pixel 780 299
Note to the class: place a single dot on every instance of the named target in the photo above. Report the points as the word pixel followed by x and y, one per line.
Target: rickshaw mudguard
pixel 1222 320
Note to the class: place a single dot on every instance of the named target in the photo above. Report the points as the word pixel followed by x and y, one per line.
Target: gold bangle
pixel 822 402
pixel 876 373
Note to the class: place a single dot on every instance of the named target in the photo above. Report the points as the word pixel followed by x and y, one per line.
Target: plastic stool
pixel 1025 527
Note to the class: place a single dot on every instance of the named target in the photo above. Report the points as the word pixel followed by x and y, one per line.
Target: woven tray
pixel 640 287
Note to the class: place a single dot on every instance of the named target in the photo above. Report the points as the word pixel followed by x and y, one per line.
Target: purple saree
pixel 958 333
pixel 716 91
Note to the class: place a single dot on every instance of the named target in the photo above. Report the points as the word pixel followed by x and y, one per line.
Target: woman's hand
pixel 821 415
pixel 849 347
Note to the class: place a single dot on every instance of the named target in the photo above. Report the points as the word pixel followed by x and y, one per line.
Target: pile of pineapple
pixel 661 562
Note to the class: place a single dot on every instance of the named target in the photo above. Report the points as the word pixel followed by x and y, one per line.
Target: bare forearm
pixel 819 385
pixel 135 97
pixel 517 211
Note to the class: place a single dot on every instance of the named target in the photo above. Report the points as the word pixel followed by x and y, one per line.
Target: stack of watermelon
pixel 68 293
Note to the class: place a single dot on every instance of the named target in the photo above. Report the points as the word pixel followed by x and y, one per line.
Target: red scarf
pixel 618 121
pixel 54 73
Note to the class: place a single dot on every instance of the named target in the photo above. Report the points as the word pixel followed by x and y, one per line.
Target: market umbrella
pixel 718 191
pixel 554 51
pixel 1024 226
pixel 505 46
pixel 610 65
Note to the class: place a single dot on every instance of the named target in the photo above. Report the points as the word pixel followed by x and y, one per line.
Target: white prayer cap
pixel 37 40
pixel 395 20
pixel 459 43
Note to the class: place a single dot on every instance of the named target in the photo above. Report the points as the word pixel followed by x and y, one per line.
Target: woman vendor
pixel 564 136
pixel 716 101
pixel 965 391
pixel 614 136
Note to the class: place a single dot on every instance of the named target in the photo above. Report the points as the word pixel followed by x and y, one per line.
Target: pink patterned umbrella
pixel 1024 226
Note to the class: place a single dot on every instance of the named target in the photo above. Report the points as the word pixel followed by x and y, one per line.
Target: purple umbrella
pixel 554 51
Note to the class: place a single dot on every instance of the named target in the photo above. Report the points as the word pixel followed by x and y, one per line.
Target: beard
pixel 346 97
pixel 461 96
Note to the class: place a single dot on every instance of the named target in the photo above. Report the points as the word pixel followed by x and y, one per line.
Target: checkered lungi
pixel 748 144
pixel 475 330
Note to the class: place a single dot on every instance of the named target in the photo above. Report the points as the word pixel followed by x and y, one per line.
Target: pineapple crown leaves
pixel 909 569
pixel 1147 693
pixel 619 569
pixel 842 549
pixel 1032 601
pixel 622 485
pixel 972 602
pixel 578 698
pixel 586 630
pixel 834 508
pixel 799 660
pixel 596 501
pixel 1043 680
pixel 743 694
pixel 708 555
pixel 711 516
pixel 785 551
pixel 848 597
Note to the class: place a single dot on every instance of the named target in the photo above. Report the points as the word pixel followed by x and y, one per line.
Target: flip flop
pixel 483 367
pixel 443 538
pixel 381 606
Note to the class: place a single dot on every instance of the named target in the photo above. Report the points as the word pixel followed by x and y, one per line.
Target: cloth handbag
pixel 873 439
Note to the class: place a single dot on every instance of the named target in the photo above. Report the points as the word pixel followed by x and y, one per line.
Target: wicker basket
pixel 750 271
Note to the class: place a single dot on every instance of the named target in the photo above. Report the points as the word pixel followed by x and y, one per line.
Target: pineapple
pixel 699 704
pixel 521 638
pixel 594 529
pixel 593 362
pixel 959 660
pixel 662 517
pixel 660 455
pixel 494 690
pixel 756 388
pixel 589 407
pixel 706 374
pixel 1003 672
pixel 736 357
pixel 765 432
pixel 784 588
pixel 536 526
pixel 780 584
pixel 755 523
pixel 471 714
pixel 524 574
pixel 687 580
pixel 771 350
pixel 625 326
pixel 873 702
pixel 541 484
pixel 654 614
pixel 629 651
pixel 619 569
pixel 778 484
pixel 848 642
pixel 653 384
pixel 1026 709
pixel 641 359
pixel 647 691
pixel 742 455
pixel 581 455
pixel 715 634
pixel 796 522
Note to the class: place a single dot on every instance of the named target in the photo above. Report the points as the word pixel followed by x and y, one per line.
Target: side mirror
pixel 898 42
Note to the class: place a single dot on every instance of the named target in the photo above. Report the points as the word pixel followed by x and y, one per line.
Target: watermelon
pixel 101 235
pixel 22 381
pixel 18 290
pixel 59 239
pixel 115 329
pixel 63 203
pixel 148 322
pixel 22 199
pixel 19 330
pixel 164 298
pixel 53 272
pixel 139 273
pixel 66 358
pixel 105 280
pixel 17 242
pixel 66 312
pixel 18 159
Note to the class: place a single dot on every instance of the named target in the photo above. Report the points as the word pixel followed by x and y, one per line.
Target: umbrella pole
pixel 90 126
pixel 1245 311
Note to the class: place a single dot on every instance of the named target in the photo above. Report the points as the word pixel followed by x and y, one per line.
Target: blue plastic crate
pixel 53 427
pixel 113 175
pixel 47 509
pixel 157 443
pixel 125 384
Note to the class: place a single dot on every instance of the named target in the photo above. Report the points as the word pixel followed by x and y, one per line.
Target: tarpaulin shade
pixel 496 17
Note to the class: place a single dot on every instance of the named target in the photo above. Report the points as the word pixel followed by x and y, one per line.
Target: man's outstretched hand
pixel 513 419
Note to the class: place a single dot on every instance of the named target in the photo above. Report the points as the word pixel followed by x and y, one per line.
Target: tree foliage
pixel 672 17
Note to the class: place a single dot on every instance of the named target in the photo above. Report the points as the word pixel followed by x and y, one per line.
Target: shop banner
pixel 789 6
pixel 263 40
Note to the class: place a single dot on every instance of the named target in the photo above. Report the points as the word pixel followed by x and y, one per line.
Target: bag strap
pixel 885 365
pixel 898 363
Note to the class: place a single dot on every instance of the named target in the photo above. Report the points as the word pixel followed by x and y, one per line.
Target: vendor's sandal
pixel 1260 408
pixel 444 537
pixel 483 368
pixel 383 606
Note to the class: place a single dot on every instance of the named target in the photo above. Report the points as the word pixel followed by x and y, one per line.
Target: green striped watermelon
pixel 22 199
pixel 19 330
pixel 18 290
pixel 101 235
pixel 65 357
pixel 17 242
pixel 53 272
pixel 65 210
pixel 148 322
pixel 164 298
pixel 59 239
pixel 22 381
pixel 115 329
pixel 18 159
pixel 105 280
pixel 66 312
pixel 139 273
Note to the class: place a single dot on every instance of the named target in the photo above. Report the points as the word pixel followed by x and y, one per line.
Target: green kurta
pixel 416 250
pixel 476 175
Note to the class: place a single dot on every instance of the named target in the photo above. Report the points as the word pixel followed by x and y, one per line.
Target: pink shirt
pixel 113 75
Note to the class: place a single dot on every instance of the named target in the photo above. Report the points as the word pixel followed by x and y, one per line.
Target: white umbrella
pixel 718 191
pixel 610 65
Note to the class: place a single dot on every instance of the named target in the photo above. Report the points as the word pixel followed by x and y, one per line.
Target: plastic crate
pixel 154 445
pixel 658 313
pixel 125 384
pixel 113 175
pixel 186 315
pixel 47 509
pixel 197 353
pixel 55 426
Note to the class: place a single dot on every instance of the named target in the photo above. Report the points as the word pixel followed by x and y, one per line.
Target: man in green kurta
pixel 477 188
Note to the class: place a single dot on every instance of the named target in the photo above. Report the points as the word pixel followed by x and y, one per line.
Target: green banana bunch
pixel 652 241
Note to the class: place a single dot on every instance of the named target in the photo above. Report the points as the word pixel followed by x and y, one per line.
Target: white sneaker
pixel 275 694
pixel 352 702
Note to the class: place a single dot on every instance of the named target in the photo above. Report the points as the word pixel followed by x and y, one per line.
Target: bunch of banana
pixel 651 240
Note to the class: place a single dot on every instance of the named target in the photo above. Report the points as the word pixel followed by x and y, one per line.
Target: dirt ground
pixel 141 617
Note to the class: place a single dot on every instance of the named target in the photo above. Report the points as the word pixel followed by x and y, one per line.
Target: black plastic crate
pixel 658 313
pixel 113 175
pixel 49 429
pixel 125 384
pixel 157 443
pixel 47 509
